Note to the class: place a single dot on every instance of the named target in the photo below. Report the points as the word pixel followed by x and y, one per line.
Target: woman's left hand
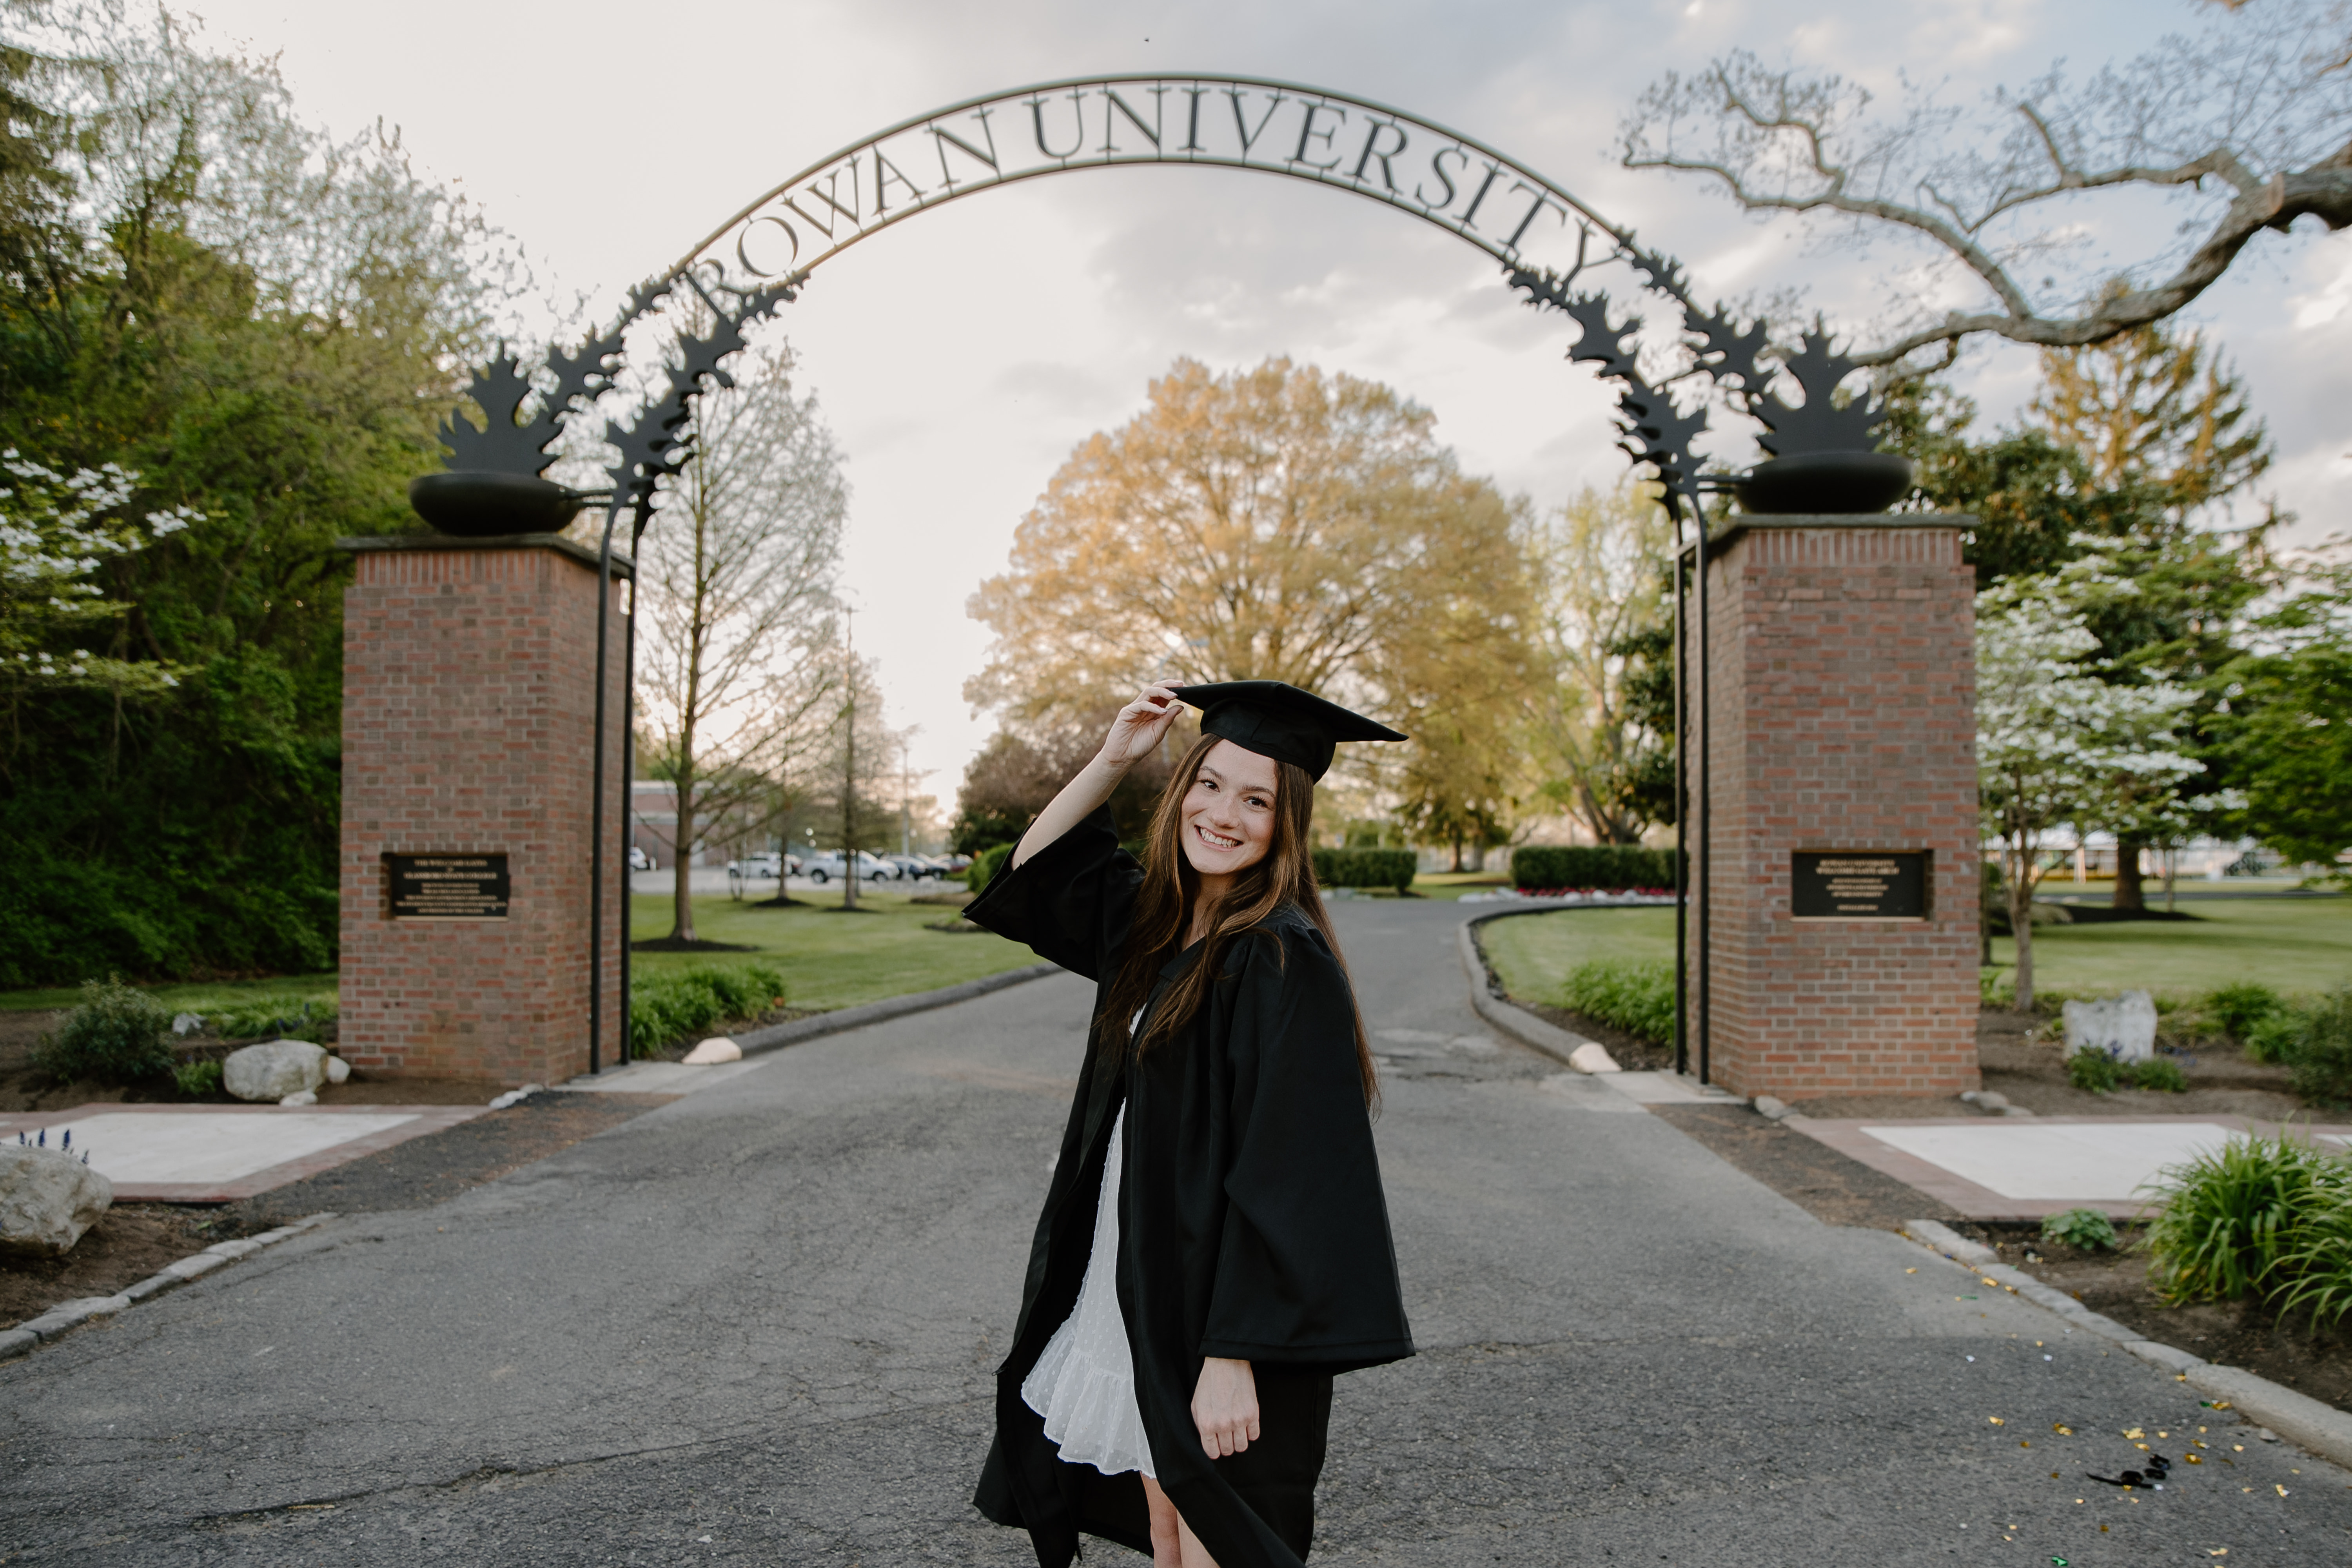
pixel 1224 1406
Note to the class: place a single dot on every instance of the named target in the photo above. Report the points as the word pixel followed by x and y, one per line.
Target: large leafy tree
pixel 1603 631
pixel 2059 735
pixel 1273 523
pixel 264 326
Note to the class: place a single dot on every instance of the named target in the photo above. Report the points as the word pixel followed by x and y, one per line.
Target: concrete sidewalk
pixel 759 1324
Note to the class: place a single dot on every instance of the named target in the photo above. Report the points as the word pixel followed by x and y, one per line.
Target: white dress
pixel 1084 1382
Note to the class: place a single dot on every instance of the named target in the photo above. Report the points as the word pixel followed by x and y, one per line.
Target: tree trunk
pixel 2129 895
pixel 2020 923
pixel 681 928
pixel 1457 851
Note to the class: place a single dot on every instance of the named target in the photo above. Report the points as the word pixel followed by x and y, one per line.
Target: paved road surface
pixel 758 1325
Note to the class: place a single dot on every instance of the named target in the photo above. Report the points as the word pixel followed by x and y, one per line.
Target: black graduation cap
pixel 1276 718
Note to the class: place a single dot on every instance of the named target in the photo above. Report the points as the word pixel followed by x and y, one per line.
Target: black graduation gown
pixel 1251 1223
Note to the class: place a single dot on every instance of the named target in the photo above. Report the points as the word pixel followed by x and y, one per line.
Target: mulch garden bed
pixel 1631 1052
pixel 2231 1333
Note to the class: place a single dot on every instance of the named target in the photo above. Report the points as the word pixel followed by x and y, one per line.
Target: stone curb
pixel 2322 1429
pixel 776 1036
pixel 68 1315
pixel 1509 1017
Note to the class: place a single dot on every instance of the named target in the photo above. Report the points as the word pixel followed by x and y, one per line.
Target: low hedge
pixel 664 1008
pixel 985 866
pixel 1366 868
pixel 1612 867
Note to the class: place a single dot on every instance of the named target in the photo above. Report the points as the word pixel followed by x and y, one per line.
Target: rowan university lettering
pixel 1277 128
pixel 1858 885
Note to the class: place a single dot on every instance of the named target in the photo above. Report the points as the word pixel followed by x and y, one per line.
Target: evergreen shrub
pixel 1638 998
pixel 2238 1010
pixel 665 1009
pixel 1606 867
pixel 1366 868
pixel 115 1036
pixel 985 866
pixel 2322 1055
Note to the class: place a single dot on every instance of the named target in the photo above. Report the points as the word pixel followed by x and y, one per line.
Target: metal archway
pixel 1545 240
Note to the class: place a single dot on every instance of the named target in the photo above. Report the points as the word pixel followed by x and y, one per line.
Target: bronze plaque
pixel 448 887
pixel 1858 884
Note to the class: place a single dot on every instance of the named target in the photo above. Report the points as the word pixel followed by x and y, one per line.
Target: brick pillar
pixel 1844 717
pixel 468 722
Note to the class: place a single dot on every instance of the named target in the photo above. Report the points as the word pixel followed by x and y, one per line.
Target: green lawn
pixel 2294 945
pixel 1533 953
pixel 208 997
pixel 831 959
pixel 2290 944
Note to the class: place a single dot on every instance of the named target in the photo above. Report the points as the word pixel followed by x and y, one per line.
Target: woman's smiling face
pixel 1228 820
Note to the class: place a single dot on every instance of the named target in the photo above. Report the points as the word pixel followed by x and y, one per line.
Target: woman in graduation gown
pixel 1215 1247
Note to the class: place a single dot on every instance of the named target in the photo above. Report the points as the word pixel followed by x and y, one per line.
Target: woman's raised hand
pixel 1140 726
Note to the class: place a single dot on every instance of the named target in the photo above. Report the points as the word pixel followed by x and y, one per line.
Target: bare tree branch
pixel 2247 119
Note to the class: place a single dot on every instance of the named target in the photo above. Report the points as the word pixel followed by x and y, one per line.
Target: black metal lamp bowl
pixel 474 504
pixel 1826 482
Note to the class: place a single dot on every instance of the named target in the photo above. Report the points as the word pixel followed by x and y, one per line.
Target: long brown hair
pixel 1163 908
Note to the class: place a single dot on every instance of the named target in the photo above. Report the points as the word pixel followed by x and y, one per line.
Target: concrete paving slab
pixel 2000 1169
pixel 1665 1088
pixel 220 1153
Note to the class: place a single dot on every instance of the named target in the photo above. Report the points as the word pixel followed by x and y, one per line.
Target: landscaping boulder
pixel 711 1052
pixel 274 1069
pixel 337 1070
pixel 2121 1026
pixel 47 1198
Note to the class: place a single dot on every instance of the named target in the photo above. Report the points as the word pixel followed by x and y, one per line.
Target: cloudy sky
pixel 960 356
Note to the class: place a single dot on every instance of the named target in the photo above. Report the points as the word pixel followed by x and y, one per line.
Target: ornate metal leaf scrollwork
pixel 1655 432
pixel 1820 426
pixel 503 447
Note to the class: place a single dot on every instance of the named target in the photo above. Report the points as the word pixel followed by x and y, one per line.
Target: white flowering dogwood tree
pixel 56 531
pixel 2061 735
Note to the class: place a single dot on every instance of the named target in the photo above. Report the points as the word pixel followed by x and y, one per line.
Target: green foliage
pixel 2102 1074
pixel 2323 1057
pixel 1614 866
pixel 1366 868
pixel 116 1036
pixel 198 1076
pixel 1638 998
pixel 2264 1216
pixel 666 1008
pixel 985 866
pixel 2278 1038
pixel 2237 1009
pixel 2085 1230
pixel 2095 1071
pixel 278 1015
pixel 265 328
pixel 2286 737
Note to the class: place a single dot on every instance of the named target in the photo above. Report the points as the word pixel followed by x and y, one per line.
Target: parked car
pixel 641 861
pixel 829 864
pixel 916 868
pixel 767 864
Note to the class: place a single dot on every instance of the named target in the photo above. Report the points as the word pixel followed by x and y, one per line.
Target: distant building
pixel 653 828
